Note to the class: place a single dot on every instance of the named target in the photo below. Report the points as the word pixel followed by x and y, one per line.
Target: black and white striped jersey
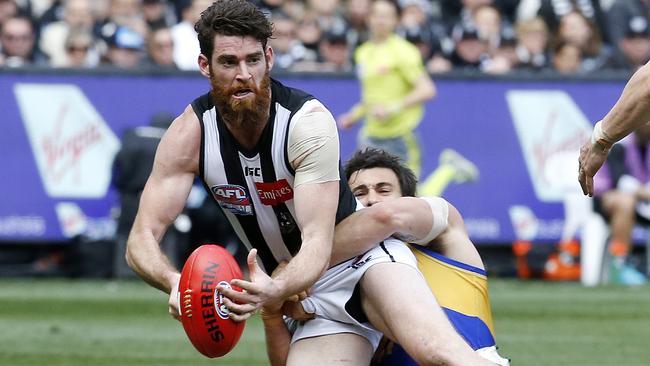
pixel 254 188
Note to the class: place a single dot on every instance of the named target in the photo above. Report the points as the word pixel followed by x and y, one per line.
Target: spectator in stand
pixel 475 47
pixel 469 50
pixel 334 52
pixel 438 62
pixel 464 12
pixel 532 47
pixel 455 10
pixel 415 13
pixel 128 13
pixel 419 26
pixel 551 11
pixel 160 49
pixel 427 32
pixel 124 46
pixel 504 57
pixel 309 32
pixel 294 8
pixel 77 15
pixel 490 26
pixel 356 14
pixel 328 13
pixel 158 14
pixel 619 16
pixel 80 51
pixel 17 41
pixel 635 45
pixel 567 58
pixel 186 49
pixel 487 20
pixel 576 29
pixel 458 12
pixel 287 48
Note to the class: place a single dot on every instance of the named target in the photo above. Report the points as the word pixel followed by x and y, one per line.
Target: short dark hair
pixel 231 18
pixel 394 3
pixel 376 158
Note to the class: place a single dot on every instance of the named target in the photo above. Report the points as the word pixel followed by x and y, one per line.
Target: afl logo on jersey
pixel 232 198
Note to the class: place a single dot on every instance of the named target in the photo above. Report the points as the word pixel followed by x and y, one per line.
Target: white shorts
pixel 333 300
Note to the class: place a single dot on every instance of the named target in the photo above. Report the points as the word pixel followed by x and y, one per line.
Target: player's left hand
pixel 293 308
pixel 260 292
pixel 591 159
pixel 173 304
pixel 382 112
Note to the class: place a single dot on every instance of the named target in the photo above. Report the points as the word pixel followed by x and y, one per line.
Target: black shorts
pixel 598 207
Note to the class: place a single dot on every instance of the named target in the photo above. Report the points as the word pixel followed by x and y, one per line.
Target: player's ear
pixel 204 65
pixel 270 56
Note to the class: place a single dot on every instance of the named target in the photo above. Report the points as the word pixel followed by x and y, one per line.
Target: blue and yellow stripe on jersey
pixel 462 292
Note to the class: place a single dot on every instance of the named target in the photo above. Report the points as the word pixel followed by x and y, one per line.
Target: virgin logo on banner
pixel 550 128
pixel 73 146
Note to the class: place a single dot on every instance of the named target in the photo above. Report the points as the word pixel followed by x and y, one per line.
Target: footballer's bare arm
pixel 631 111
pixel 163 199
pixel 455 243
pixel 410 218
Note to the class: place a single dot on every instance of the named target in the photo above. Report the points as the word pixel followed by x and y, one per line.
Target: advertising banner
pixel 61 132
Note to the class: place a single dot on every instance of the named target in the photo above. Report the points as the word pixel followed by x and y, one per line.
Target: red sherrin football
pixel 205 319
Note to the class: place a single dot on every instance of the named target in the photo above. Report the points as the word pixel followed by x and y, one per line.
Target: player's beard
pixel 243 114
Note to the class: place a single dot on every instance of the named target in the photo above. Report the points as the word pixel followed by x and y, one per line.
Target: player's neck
pixel 379 39
pixel 247 134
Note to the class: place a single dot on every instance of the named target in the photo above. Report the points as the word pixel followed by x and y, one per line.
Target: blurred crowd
pixel 492 36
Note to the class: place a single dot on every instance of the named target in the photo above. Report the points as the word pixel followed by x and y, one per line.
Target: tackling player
pixel 446 256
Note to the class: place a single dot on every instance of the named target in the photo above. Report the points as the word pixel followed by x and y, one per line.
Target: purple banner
pixel 60 134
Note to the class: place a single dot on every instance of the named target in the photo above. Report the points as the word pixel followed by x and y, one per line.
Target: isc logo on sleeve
pixel 233 198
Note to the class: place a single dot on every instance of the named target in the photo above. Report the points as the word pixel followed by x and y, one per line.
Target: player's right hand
pixel 174 302
pixel 293 308
pixel 591 159
pixel 261 291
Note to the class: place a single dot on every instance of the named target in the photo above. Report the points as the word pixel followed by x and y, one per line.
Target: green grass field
pixel 67 322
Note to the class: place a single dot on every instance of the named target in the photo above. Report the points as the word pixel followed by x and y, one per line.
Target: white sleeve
pixel 313 149
pixel 440 211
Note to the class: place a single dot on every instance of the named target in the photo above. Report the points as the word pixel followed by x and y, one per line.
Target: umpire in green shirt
pixel 394 86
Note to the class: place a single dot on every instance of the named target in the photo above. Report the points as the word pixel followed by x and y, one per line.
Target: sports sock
pixel 437 181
